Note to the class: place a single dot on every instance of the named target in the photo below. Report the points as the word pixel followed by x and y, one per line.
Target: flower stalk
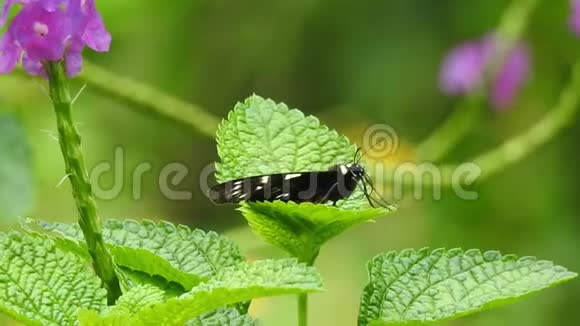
pixel 442 140
pixel 70 144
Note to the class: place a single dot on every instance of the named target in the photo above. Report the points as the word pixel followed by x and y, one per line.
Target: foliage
pixel 42 285
pixel 176 253
pixel 427 286
pixel 302 229
pixel 261 137
pixel 232 285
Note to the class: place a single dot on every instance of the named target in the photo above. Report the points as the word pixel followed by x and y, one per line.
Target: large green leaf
pixel 16 185
pixel 42 285
pixel 232 285
pixel 176 253
pixel 428 286
pixel 262 137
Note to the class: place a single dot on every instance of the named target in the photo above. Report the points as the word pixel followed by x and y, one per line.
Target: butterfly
pixel 332 185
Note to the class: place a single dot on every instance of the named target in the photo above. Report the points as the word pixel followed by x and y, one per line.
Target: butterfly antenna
pixel 367 150
pixel 357 158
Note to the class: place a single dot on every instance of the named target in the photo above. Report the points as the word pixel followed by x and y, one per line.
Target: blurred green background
pixel 352 64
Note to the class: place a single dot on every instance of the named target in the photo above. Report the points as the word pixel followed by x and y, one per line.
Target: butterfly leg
pixel 367 195
pixel 327 196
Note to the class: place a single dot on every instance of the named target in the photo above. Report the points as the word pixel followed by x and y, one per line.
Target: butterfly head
pixel 354 169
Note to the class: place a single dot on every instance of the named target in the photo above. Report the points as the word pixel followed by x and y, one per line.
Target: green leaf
pixel 92 318
pixel 138 298
pixel 143 297
pixel 302 229
pixel 42 285
pixel 428 286
pixel 131 302
pixel 16 183
pixel 262 137
pixel 131 279
pixel 176 253
pixel 223 317
pixel 232 285
pixel 246 282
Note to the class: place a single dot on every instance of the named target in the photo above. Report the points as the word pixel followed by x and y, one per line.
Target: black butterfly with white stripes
pixel 332 185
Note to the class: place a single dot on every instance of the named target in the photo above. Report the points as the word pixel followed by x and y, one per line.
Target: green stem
pixel 520 146
pixel 70 144
pixel 441 141
pixel 303 309
pixel 303 297
pixel 451 132
pixel 149 99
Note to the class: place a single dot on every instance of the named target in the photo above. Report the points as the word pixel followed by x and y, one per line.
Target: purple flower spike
pixel 464 67
pixel 510 78
pixel 51 30
pixel 574 20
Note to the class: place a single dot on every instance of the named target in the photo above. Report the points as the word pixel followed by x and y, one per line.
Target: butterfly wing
pixel 257 188
pixel 315 187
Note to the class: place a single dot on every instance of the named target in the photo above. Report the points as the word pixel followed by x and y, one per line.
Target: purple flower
pixel 574 20
pixel 41 33
pixel 51 30
pixel 464 67
pixel 511 77
pixel 49 5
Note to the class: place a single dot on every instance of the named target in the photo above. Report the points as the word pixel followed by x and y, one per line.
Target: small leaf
pixel 176 253
pixel 262 137
pixel 232 285
pixel 223 317
pixel 16 184
pixel 131 279
pixel 219 317
pixel 142 298
pixel 138 298
pixel 428 286
pixel 302 229
pixel 39 284
pixel 246 282
pixel 92 318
